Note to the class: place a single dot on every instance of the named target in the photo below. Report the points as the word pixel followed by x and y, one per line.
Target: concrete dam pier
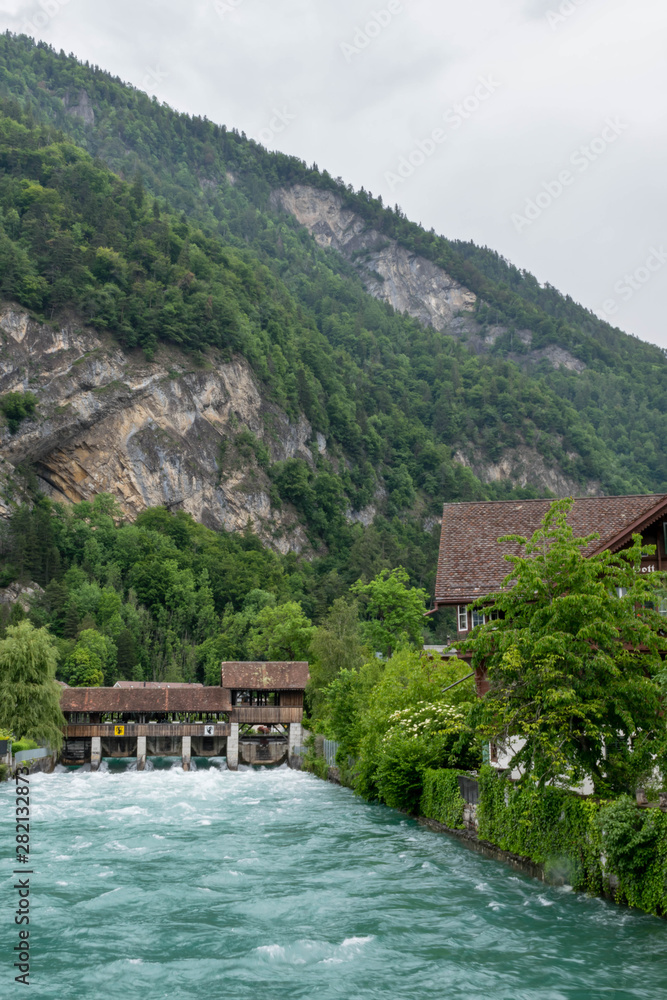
pixel 254 717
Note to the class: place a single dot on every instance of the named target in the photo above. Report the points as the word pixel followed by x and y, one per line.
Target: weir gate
pixel 254 717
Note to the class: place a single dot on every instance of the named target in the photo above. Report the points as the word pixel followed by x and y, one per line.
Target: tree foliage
pixel 394 611
pixel 574 669
pixel 16 406
pixel 281 632
pixel 29 694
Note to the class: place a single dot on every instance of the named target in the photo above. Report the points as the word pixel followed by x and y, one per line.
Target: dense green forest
pixel 165 598
pixel 613 414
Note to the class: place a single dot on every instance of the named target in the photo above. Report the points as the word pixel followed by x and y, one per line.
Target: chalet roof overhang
pixel 275 675
pixel 471 563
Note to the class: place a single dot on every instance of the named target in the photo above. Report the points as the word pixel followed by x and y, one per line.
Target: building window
pixel 621 591
pixel 493 616
pixel 477 618
pixel 662 607
pixel 463 618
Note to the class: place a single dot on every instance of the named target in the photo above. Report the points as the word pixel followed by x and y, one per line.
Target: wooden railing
pixel 268 715
pixel 133 729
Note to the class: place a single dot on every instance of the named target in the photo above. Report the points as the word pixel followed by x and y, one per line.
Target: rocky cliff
pixel 165 431
pixel 148 432
pixel 408 282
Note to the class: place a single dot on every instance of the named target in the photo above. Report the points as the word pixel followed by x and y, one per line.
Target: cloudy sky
pixel 535 127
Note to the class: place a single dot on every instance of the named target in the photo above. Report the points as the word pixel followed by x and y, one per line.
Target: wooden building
pixel 269 695
pixel 154 718
pixel 471 563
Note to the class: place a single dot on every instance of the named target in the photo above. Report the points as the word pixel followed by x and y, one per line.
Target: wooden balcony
pixel 267 715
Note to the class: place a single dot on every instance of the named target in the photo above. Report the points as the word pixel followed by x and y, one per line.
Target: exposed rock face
pixel 409 283
pixel 20 593
pixel 80 106
pixel 560 358
pixel 524 466
pixel 148 432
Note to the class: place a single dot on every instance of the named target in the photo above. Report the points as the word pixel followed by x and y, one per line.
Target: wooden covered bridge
pixel 254 716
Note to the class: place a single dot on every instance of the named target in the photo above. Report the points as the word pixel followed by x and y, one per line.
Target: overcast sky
pixel 535 127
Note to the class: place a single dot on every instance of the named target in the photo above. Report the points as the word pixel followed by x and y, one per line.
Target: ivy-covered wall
pixel 441 798
pixel 601 847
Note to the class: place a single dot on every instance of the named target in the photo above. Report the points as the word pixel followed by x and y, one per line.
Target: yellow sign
pixel 119 730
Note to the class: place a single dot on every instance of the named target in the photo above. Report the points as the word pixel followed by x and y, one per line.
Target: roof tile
pixel 471 563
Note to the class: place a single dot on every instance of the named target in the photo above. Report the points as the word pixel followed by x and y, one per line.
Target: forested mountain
pixel 225 182
pixel 603 425
pixel 172 335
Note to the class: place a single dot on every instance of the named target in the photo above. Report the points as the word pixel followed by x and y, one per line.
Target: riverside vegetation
pixel 566 677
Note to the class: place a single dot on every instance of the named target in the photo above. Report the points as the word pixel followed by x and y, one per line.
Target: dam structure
pixel 253 717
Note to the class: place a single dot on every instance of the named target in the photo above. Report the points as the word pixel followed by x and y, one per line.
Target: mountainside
pixel 259 342
pixel 408 282
pixel 150 432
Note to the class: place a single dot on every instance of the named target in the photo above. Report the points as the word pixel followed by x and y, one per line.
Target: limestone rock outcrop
pixel 149 432
pixel 408 282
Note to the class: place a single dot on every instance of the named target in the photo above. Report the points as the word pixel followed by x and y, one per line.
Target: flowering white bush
pixel 426 719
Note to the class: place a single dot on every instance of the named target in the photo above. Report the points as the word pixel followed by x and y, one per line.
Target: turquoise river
pixel 272 884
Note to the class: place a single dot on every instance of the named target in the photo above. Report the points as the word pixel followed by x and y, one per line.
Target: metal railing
pixel 469 789
pixel 330 751
pixel 31 754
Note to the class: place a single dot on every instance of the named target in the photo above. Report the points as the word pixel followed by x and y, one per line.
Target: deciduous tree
pixel 29 694
pixel 574 668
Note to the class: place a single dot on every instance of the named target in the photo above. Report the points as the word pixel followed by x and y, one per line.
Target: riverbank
pixel 556 836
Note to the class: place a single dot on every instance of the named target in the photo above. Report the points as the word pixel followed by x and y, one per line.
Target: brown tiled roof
pixel 155 684
pixel 192 698
pixel 471 562
pixel 272 676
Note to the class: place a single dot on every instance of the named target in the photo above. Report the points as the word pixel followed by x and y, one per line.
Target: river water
pixel 271 883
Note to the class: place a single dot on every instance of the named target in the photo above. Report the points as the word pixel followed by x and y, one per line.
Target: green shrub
pixel 613 847
pixel 629 836
pixel 441 798
pixel 547 825
pixel 16 406
pixel 402 763
pixel 316 765
pixel 24 744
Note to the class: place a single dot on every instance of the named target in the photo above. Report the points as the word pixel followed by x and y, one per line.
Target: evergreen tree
pixel 126 657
